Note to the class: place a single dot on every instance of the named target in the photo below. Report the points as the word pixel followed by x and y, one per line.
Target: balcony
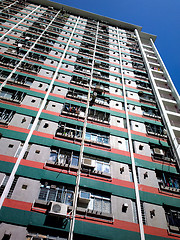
pixel 82 70
pixel 11 95
pixel 86 52
pixel 101 75
pixel 98 116
pixel 81 81
pixel 46 41
pixel 146 98
pixel 152 113
pixel 156 130
pixel 41 48
pixel 84 60
pixel 66 130
pixel 79 95
pixel 168 182
pixel 87 45
pixel 98 64
pixel 35 30
pixel 102 56
pixel 138 66
pixel 73 111
pixel 143 85
pixel 6 116
pixel 28 67
pixel 18 79
pixel 36 57
pixel 8 62
pixel 163 154
pixel 63 158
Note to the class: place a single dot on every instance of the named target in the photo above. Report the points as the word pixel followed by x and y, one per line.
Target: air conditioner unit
pixel 58 209
pixel 158 151
pixel 84 197
pixel 88 163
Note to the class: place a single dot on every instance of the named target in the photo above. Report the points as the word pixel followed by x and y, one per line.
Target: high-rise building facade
pixel 89 128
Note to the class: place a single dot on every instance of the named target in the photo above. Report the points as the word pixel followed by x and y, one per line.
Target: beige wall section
pixel 137 126
pixel 115 104
pixel 142 148
pixel 38 153
pixel 117 205
pixel 47 127
pixel 19 120
pixel 8 146
pixel 54 107
pixel 118 143
pixel 32 101
pixel 120 171
pixel 40 85
pixel 147 177
pixel 116 121
pixel 16 232
pixel 159 220
pixel 60 91
pixel 26 190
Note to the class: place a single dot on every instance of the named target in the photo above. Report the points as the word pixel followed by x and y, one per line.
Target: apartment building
pixel 89 128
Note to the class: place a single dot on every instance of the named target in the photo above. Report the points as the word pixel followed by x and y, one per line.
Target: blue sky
pixel 158 17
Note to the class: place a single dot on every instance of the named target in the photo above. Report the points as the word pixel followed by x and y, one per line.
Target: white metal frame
pixel 141 227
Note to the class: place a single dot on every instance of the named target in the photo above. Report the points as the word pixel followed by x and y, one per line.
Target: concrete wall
pixel 38 153
pixel 40 85
pixel 120 171
pixel 147 177
pixel 47 127
pixel 116 104
pixel 32 101
pixel 20 120
pixel 16 232
pixel 26 190
pixel 9 146
pixel 159 220
pixel 118 143
pixel 117 204
pixel 54 107
pixel 60 91
pixel 137 126
pixel 142 148
pixel 117 121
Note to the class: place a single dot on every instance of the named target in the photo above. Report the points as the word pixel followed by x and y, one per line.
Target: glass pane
pixel 52 195
pixel 88 136
pixel 106 206
pixel 69 198
pixel 106 168
pixel 99 167
pixel 75 160
pixel 43 193
pixel 53 156
pixel 97 204
pixel 59 196
pixel 93 137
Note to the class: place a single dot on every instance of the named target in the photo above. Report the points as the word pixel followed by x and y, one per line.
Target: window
pixel 168 182
pixel 97 137
pixel 69 130
pixel 6 115
pixel 173 219
pixel 62 156
pixel 98 115
pixel 100 165
pixel 100 204
pixel 57 193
